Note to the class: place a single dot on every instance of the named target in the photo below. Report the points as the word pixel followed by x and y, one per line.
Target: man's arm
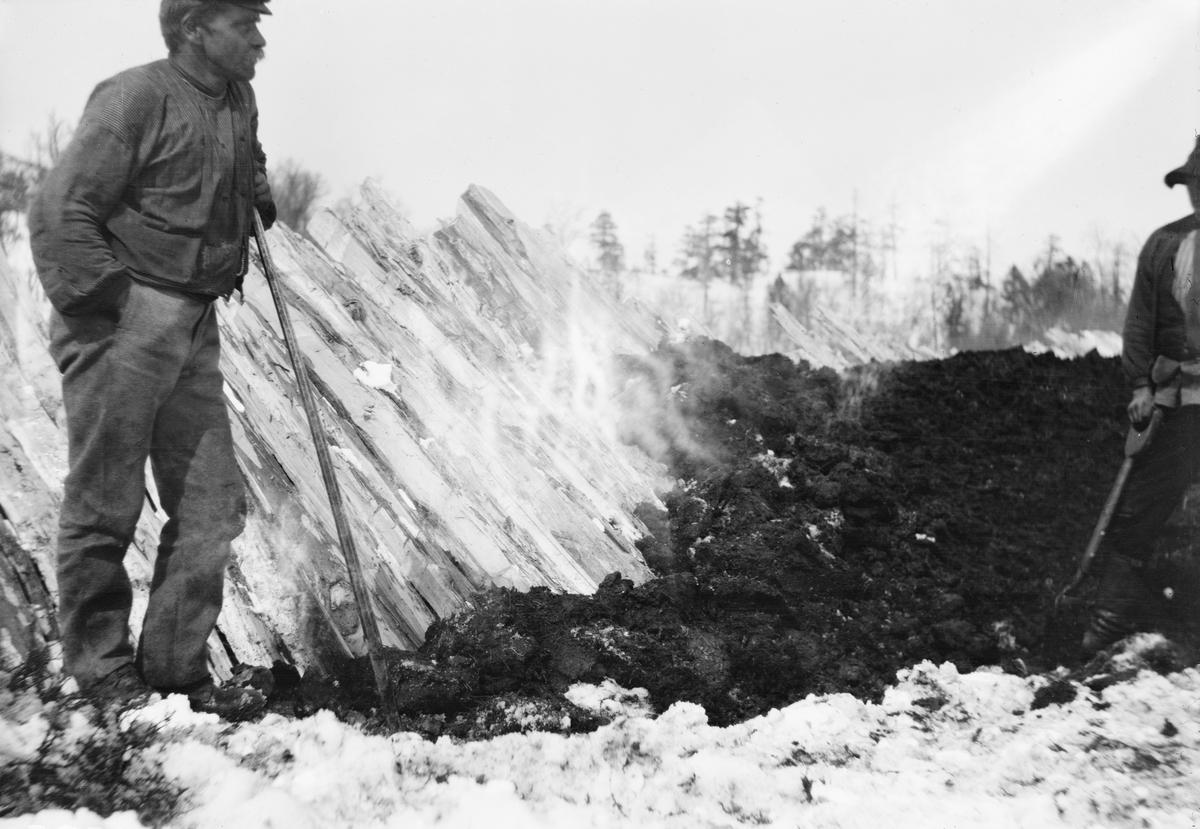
pixel 263 199
pixel 1137 356
pixel 66 220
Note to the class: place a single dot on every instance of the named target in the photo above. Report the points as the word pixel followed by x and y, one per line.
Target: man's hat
pixel 259 6
pixel 1190 168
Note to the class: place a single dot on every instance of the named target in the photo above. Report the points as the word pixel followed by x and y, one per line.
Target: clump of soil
pixel 824 533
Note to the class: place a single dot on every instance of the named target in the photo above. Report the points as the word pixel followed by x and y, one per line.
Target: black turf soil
pixel 824 533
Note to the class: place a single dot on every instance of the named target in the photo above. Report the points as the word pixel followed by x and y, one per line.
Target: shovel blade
pixel 1139 439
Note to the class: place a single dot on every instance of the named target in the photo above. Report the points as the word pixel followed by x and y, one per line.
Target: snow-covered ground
pixel 1067 344
pixel 941 750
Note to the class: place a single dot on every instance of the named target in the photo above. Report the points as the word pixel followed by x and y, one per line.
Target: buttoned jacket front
pixel 1160 336
pixel 149 188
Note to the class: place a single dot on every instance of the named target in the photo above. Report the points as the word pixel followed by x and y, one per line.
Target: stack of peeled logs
pixel 466 387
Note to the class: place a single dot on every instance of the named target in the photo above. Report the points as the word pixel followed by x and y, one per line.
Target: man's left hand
pixel 1141 407
pixel 262 189
pixel 263 199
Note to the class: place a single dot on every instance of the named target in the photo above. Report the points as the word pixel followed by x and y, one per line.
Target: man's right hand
pixel 1141 407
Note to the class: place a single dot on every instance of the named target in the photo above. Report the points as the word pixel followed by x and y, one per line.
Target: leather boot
pixel 1120 603
pixel 123 688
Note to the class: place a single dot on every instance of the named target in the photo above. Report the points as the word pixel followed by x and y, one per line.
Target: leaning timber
pixel 831 342
pixel 466 387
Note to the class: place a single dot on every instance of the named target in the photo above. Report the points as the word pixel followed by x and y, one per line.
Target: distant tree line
pixel 730 247
pixel 1061 292
pixel 969 306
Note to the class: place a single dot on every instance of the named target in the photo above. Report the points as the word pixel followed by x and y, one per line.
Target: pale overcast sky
pixel 1016 117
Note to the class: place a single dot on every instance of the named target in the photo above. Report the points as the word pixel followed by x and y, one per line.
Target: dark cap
pixel 259 6
pixel 1190 168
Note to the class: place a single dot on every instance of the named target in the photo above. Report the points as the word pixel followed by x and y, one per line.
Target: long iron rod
pixel 358 584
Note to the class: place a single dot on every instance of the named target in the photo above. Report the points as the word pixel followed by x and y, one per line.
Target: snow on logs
pixel 831 342
pixel 466 390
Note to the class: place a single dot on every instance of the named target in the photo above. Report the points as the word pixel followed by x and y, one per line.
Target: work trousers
pixel 1160 476
pixel 141 380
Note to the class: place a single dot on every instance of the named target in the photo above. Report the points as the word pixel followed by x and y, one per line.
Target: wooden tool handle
pixel 358 583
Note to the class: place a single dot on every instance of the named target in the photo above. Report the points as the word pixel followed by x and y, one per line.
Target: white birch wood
pixel 490 458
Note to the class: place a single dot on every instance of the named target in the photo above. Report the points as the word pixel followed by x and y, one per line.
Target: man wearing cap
pixel 141 226
pixel 1162 361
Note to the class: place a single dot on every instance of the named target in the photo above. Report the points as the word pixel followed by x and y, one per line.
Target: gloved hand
pixel 1141 407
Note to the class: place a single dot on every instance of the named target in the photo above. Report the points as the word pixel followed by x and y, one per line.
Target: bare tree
pixel 565 222
pixel 19 178
pixel 46 146
pixel 698 255
pixel 296 191
pixel 610 252
pixel 1110 261
pixel 741 252
pixel 650 256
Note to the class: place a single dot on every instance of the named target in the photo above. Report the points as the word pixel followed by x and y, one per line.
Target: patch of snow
pixel 1005 638
pixel 405 497
pixel 21 737
pixel 1068 344
pixel 610 698
pixel 233 399
pixel 173 711
pixel 350 458
pixel 376 376
pixel 776 466
pixel 815 533
pixel 942 749
pixel 78 819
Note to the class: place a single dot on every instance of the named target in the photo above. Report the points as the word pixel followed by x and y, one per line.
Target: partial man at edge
pixel 141 226
pixel 1162 362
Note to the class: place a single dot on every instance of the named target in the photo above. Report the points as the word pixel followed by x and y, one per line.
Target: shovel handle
pixel 358 583
pixel 1135 442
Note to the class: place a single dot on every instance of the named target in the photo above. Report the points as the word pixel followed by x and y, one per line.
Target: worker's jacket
pixel 1162 326
pixel 157 184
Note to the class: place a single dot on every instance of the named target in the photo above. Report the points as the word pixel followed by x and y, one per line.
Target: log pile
pixel 831 342
pixel 466 386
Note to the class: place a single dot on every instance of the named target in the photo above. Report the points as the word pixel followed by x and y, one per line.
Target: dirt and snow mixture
pixel 852 625
pixel 941 749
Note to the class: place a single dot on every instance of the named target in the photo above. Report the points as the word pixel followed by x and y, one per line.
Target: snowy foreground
pixel 941 750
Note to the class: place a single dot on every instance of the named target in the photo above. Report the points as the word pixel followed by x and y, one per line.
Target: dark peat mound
pixel 823 533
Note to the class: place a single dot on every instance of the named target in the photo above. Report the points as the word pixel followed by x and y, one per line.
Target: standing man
pixel 136 232
pixel 1162 361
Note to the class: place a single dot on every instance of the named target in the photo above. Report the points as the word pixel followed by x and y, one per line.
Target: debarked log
pixel 467 388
